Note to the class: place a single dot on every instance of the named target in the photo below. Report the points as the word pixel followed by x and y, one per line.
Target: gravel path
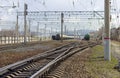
pixel 76 68
pixel 115 48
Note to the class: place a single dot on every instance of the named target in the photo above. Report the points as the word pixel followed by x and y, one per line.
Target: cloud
pixel 4 17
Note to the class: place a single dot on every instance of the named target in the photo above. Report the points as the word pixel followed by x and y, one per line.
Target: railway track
pixel 17 45
pixel 13 46
pixel 40 65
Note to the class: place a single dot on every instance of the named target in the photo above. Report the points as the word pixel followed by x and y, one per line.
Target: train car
pixel 58 37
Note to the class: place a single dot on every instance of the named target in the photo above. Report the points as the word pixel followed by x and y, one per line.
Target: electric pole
pixel 38 30
pixel 45 32
pixel 62 20
pixel 65 30
pixel 16 29
pixel 51 33
pixel 29 30
pixel 74 33
pixel 107 53
pixel 25 26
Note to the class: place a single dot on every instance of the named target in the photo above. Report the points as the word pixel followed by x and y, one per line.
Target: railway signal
pixel 17 29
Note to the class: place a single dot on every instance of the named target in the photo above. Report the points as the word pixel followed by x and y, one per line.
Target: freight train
pixel 58 37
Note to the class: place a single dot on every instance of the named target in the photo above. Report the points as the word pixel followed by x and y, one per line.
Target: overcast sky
pixel 52 5
pixel 57 4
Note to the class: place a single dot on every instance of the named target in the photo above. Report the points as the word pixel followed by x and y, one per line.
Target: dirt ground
pixel 73 67
pixel 13 55
pixel 76 68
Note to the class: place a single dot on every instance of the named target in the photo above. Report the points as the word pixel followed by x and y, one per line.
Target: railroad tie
pixel 27 67
pixel 24 68
pixel 19 72
pixel 15 73
pixel 21 77
pixel 8 77
pixel 12 75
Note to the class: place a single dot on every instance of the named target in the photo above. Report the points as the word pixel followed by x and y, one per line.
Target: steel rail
pixel 58 59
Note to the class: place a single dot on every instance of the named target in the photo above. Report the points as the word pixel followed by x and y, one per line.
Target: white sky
pixel 53 5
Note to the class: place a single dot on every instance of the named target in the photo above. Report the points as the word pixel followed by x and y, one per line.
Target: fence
pixel 13 40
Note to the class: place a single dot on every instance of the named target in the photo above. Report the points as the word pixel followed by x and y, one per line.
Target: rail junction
pixel 40 65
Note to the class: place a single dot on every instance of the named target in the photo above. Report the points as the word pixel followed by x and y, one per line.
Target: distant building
pixel 8 33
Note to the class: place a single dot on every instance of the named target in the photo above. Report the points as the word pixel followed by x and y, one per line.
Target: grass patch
pixel 98 68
